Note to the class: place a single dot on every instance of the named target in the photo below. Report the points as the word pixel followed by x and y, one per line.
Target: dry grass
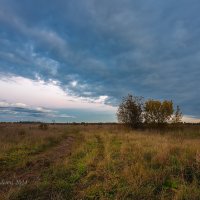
pixel 109 162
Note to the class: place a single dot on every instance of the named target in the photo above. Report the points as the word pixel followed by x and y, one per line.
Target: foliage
pixel 177 115
pixel 157 111
pixel 130 111
pixel 133 112
pixel 43 126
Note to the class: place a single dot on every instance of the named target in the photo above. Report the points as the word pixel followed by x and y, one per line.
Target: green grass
pixel 18 154
pixel 61 180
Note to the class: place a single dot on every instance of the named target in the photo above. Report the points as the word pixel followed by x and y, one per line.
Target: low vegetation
pixel 98 162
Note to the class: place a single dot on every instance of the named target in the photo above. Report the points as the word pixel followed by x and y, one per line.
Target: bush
pixel 130 111
pixel 43 126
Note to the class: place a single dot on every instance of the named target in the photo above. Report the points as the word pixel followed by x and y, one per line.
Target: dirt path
pixel 32 171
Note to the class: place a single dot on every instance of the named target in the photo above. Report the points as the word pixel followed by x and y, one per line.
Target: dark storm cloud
pixel 149 48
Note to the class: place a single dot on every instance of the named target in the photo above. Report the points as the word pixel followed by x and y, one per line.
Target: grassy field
pixel 98 162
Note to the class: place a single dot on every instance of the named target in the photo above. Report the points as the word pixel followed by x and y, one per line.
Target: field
pixel 98 162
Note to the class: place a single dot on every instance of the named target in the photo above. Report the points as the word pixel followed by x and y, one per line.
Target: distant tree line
pixel 135 112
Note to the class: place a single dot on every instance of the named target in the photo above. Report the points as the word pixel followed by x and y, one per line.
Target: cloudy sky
pixel 74 60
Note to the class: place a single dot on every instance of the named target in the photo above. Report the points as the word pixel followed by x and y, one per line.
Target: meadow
pixel 98 162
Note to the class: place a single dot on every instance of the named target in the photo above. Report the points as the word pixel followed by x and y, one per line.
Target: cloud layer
pixel 23 112
pixel 96 49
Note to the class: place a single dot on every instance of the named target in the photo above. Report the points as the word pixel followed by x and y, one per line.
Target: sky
pixel 73 61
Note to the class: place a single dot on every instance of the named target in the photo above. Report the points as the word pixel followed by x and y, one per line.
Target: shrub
pixel 43 126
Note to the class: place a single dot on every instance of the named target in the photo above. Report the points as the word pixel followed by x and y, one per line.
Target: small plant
pixel 22 132
pixel 43 126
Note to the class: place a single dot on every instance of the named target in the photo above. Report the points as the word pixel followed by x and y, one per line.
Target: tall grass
pixel 110 162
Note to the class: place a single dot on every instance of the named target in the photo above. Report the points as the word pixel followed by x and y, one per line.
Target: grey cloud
pixel 20 110
pixel 149 48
